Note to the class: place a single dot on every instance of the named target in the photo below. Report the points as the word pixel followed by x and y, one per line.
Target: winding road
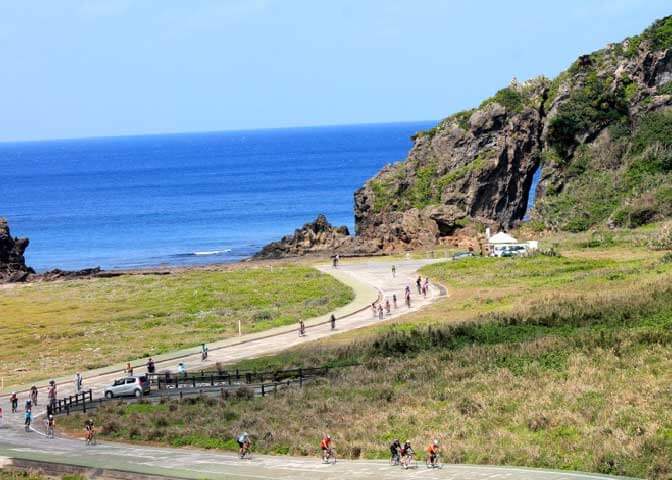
pixel 371 281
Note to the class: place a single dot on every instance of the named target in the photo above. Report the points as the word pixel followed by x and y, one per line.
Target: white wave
pixel 213 252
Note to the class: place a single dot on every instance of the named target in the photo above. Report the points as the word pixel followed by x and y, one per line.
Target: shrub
pixel 110 427
pixel 589 108
pixel 537 422
pixel 599 239
pixel 509 98
pixel 244 393
pixel 654 128
pixel 665 88
pixel 662 240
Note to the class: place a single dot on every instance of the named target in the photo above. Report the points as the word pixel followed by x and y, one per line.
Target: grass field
pixel 558 362
pixel 22 475
pixel 54 328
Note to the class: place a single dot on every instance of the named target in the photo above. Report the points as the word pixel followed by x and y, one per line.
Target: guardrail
pixel 213 383
pixel 212 378
pixel 64 405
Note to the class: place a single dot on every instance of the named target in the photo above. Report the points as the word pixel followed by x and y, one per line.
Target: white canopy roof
pixel 502 238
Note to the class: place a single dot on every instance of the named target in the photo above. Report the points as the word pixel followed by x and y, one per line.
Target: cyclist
pixel 433 454
pixel 407 454
pixel 29 418
pixel 29 405
pixel 51 423
pixel 244 444
pixel 204 352
pixel 89 431
pixel 33 394
pixel 326 447
pixel 395 451
pixel 14 400
pixel 151 368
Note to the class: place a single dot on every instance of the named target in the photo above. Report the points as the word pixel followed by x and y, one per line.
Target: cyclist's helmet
pixel 51 417
pixel 436 442
pixel 329 437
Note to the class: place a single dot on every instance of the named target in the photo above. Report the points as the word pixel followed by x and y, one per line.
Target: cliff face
pixel 317 237
pixel 586 129
pixel 13 266
pixel 601 133
pixel 475 165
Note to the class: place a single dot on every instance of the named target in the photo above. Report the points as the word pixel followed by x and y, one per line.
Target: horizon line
pixel 205 132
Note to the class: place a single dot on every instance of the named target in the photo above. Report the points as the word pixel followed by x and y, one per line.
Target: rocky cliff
pixel 13 266
pixel 599 134
pixel 315 238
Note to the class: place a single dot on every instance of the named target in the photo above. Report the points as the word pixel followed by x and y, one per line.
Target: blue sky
pixel 77 68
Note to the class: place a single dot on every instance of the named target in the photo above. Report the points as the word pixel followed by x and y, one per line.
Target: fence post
pixel 158 382
pixel 237 375
pixel 221 392
pixel 212 381
pixel 301 377
pixel 180 395
pixel 263 391
pixel 248 377
pixel 177 384
pixel 228 377
pixel 67 410
pixel 193 381
pixel 84 404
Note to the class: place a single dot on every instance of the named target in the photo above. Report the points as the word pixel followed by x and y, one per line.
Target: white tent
pixel 502 238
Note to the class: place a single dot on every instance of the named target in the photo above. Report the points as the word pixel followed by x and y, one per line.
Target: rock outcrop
pixel 13 266
pixel 475 166
pixel 599 134
pixel 317 238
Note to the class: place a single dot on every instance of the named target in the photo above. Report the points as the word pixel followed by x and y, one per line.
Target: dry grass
pixel 53 328
pixel 544 362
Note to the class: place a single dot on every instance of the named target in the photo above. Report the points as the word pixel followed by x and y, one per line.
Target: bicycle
pixel 329 456
pixel 50 432
pixel 408 461
pixel 395 459
pixel 433 462
pixel 91 439
pixel 246 454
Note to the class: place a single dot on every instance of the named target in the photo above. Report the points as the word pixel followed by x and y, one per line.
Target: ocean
pixel 185 199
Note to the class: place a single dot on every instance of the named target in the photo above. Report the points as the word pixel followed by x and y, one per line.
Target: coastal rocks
pixel 58 274
pixel 318 237
pixel 474 165
pixel 13 266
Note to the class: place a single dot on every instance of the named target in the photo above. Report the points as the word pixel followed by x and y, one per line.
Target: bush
pixel 507 97
pixel 662 240
pixel 244 393
pixel 590 108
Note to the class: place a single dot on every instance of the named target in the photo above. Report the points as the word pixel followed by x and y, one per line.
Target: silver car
pixel 128 387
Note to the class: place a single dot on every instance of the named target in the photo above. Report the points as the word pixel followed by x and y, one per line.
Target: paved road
pixel 187 463
pixel 371 281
